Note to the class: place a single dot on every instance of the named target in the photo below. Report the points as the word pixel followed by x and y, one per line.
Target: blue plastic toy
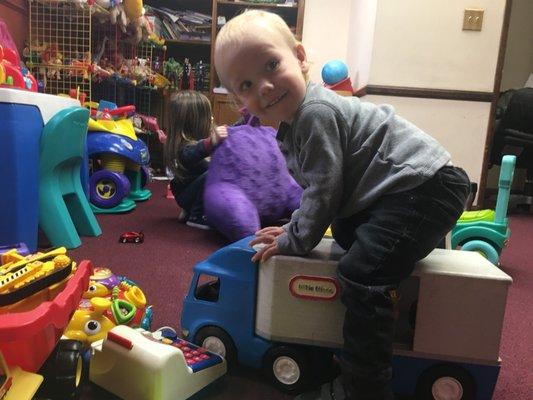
pixel 487 231
pixel 64 211
pixel 285 317
pixel 23 115
pixel 334 71
pixel 118 160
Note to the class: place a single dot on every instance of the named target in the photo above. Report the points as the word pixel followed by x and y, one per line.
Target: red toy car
pixel 131 237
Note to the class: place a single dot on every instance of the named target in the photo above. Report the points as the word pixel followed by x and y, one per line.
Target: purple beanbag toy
pixel 248 184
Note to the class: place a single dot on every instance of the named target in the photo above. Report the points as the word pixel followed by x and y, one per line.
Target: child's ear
pixel 302 57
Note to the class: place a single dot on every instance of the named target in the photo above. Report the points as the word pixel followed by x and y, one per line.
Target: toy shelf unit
pixel 125 73
pixel 223 10
pixel 59 48
pixel 185 26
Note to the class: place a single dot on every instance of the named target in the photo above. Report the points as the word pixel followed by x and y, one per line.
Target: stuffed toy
pixel 139 25
pixel 248 184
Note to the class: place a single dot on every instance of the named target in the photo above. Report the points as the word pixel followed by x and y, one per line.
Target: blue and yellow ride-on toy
pixel 487 231
pixel 118 160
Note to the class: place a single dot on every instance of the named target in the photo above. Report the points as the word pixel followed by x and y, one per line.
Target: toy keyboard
pixel 197 358
pixel 156 366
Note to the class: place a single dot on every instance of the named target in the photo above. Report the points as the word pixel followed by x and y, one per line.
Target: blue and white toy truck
pixel 278 314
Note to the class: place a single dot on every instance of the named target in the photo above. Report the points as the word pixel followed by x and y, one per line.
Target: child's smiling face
pixel 265 73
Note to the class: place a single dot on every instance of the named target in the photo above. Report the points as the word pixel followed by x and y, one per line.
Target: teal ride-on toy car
pixel 487 231
pixel 118 160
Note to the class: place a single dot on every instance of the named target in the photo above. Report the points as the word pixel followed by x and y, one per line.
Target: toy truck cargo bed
pixel 28 337
pixel 298 298
pixel 298 301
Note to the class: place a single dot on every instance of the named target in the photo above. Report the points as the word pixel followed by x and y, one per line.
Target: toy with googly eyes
pixel 125 301
pixel 90 324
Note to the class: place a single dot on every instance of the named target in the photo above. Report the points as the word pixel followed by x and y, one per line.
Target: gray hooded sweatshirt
pixel 346 154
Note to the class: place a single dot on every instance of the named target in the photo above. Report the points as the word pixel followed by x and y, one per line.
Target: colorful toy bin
pixel 23 115
pixel 118 160
pixel 110 300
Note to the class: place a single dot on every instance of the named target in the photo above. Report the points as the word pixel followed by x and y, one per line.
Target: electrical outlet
pixel 473 19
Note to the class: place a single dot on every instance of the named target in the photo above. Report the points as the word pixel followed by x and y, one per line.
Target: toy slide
pixel 140 365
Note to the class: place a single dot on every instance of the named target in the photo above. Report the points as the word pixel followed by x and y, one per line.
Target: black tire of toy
pixel 231 350
pixel 60 371
pixel 296 354
pixel 431 375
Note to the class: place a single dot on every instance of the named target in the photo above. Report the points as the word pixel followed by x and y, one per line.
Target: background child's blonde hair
pixel 236 28
pixel 190 120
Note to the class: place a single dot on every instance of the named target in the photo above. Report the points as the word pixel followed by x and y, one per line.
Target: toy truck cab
pixel 449 317
pixel 219 309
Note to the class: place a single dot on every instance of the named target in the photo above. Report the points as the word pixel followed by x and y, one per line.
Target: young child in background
pixel 388 189
pixel 191 139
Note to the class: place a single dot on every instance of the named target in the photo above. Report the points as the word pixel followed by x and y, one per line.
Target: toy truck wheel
pixel 288 368
pixel 219 342
pixel 108 188
pixel 445 382
pixel 485 249
pixel 63 371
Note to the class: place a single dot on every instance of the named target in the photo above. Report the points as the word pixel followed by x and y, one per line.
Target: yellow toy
pixel 109 300
pixel 133 9
pixel 25 278
pixel 135 13
pixel 96 289
pixel 90 324
pixel 37 302
pixel 15 383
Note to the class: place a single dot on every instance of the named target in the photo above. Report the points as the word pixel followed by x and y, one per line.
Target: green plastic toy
pixel 487 231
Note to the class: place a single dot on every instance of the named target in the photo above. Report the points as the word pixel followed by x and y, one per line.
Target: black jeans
pixel 383 243
pixel 190 195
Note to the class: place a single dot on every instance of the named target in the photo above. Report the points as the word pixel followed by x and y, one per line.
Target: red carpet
pixel 162 266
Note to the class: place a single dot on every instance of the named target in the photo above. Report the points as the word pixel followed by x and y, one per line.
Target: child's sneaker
pixel 198 222
pixel 183 215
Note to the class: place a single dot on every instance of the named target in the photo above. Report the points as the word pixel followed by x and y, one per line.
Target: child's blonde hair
pixel 236 28
pixel 190 121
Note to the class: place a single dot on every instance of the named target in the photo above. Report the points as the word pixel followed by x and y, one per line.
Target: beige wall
pixel 459 125
pixel 326 33
pixel 420 43
pixel 519 54
pixel 360 42
pixel 340 29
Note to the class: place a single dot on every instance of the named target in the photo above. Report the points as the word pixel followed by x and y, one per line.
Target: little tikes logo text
pixel 314 287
